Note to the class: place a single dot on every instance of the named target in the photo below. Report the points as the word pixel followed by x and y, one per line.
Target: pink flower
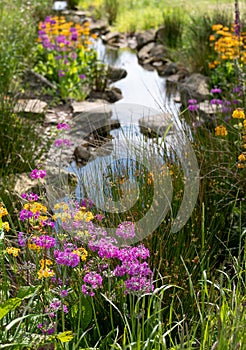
pixel 38 174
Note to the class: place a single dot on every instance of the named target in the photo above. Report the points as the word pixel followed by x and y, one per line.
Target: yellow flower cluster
pixel 66 214
pixel 227 45
pixel 220 130
pixel 5 226
pixel 45 271
pixel 35 207
pixel 12 250
pixel 238 114
pixel 3 211
pixel 81 252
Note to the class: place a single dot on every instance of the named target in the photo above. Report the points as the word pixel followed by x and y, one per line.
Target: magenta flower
pixel 45 241
pixel 61 142
pixel 30 196
pixel 192 101
pixel 38 174
pixel 216 90
pixel 63 126
pixel 66 258
pixel 126 230
pixel 193 108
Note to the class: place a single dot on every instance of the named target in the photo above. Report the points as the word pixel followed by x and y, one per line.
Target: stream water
pixel 144 94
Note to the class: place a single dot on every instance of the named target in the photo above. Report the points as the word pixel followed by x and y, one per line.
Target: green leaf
pixel 8 306
pixel 65 337
pixel 86 311
pixel 26 292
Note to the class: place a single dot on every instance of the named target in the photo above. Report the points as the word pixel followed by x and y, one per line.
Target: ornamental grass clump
pixel 65 55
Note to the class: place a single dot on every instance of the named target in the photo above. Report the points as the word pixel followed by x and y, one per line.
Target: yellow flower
pixel 242 157
pixel 45 262
pixel 13 251
pixel 241 166
pixel 82 252
pixel 238 114
pixel 33 246
pixel 220 130
pixel 3 211
pixel 216 27
pixel 5 226
pixel 45 273
pixel 244 124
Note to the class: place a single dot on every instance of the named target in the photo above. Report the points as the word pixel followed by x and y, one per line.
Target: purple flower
pixel 192 101
pixel 61 73
pixel 193 108
pixel 66 258
pixel 135 284
pixel 38 174
pixel 87 203
pixel 126 230
pixel 22 240
pixel 216 91
pixel 216 101
pixel 45 241
pixel 63 293
pixel 31 196
pixel 65 309
pixel 93 281
pixel 63 126
pixel 61 142
pixel 26 214
pixel 99 217
pixel 48 223
pixel 82 76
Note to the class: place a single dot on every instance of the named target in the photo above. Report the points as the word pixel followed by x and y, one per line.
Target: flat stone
pixel 155 125
pixel 143 38
pixel 34 106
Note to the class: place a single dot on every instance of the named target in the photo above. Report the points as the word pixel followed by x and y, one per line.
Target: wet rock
pixel 114 39
pixel 155 125
pixel 144 38
pixel 98 107
pixel 196 87
pixel 116 73
pixel 152 52
pixel 99 26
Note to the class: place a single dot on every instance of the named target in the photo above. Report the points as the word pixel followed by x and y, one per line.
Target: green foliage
pixel 173 22
pixel 111 7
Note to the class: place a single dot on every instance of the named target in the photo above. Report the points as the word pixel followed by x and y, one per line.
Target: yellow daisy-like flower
pixel 220 130
pixel 241 166
pixel 238 114
pixel 12 250
pixel 45 262
pixel 33 246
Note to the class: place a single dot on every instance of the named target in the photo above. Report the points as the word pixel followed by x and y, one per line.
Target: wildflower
pixel 66 258
pixel 81 252
pixel 193 108
pixel 30 196
pixel 60 142
pixel 192 101
pixel 65 309
pixel 126 230
pixel 216 90
pixel 238 114
pixel 26 214
pixel 3 211
pixel 63 126
pixel 38 174
pixel 64 293
pixel 61 73
pixel 45 272
pixel 82 76
pixel 45 241
pixel 220 130
pixel 242 157
pixel 5 226
pixel 216 101
pixel 93 281
pixel 21 239
pixel 12 250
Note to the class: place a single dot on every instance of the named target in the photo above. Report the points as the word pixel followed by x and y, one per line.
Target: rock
pixel 32 106
pixel 207 110
pixel 116 73
pixel 196 87
pixel 155 125
pixel 160 35
pixel 114 39
pixel 110 36
pixel 23 184
pixel 110 95
pixel 144 52
pixel 81 154
pixel 144 38
pixel 99 108
pixel 99 26
pixel 152 52
pixel 168 69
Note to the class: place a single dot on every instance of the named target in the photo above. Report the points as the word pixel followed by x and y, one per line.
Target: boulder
pixel 155 125
pixel 115 73
pixel 153 52
pixel 144 38
pixel 167 69
pixel 82 154
pixel 194 87
pixel 160 35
